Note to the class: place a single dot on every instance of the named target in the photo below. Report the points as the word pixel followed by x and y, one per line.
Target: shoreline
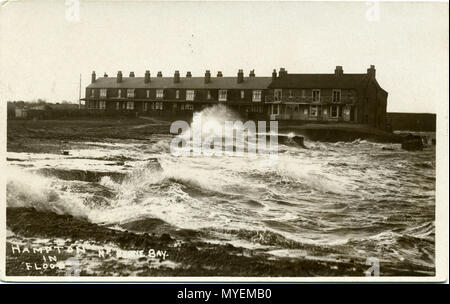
pixel 187 254
pixel 50 136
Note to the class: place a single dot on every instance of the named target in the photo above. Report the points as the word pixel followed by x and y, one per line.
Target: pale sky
pixel 43 50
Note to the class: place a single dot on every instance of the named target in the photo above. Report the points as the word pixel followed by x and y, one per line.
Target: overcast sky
pixel 44 49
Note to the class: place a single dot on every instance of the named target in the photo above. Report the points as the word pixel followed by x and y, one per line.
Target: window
pixel 208 94
pixel 177 94
pixel 92 92
pixel 190 95
pixel 148 93
pixel 313 111
pixel 102 104
pixel 319 110
pixel 157 105
pixel 117 105
pixel 257 95
pixel 130 93
pixel 305 111
pixel 334 111
pixel 222 95
pixel 256 109
pixel 159 93
pixel 336 95
pixel 120 94
pixel 277 94
pixel 102 93
pixel 189 107
pixel 316 95
pixel 145 106
pixel 275 109
pixel 290 94
pixel 130 105
pixel 242 94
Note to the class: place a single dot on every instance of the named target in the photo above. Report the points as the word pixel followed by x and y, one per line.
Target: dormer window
pixel 190 94
pixel 222 95
pixel 130 93
pixel 159 93
pixel 336 95
pixel 103 93
pixel 316 95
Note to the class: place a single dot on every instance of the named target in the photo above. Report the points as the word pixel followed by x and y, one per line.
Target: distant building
pixel 412 121
pixel 323 98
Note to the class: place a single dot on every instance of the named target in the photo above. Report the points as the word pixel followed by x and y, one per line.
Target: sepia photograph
pixel 224 141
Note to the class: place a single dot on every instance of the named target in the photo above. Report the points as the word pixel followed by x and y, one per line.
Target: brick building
pixel 336 97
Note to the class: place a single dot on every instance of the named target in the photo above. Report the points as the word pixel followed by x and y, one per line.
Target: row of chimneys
pixel 240 75
pixel 176 76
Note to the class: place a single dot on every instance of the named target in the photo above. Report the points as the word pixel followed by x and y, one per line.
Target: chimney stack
pixel 176 77
pixel 240 76
pixel 188 74
pixel 147 76
pixel 93 77
pixel 274 74
pixel 282 72
pixel 131 74
pixel 371 71
pixel 338 71
pixel 207 76
pixel 219 74
pixel 105 75
pixel 252 73
pixel 119 76
pixel 159 75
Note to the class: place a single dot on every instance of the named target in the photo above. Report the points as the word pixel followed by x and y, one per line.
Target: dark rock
pixel 387 149
pixel 413 144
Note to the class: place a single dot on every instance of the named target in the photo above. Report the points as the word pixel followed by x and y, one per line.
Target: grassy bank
pixel 48 136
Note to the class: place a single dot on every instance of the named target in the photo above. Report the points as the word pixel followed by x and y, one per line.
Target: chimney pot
pixel 282 72
pixel 240 76
pixel 219 74
pixel 131 74
pixel 274 74
pixel 252 73
pixel 371 71
pixel 105 75
pixel 159 74
pixel 338 71
pixel 176 77
pixel 119 76
pixel 147 76
pixel 93 77
pixel 188 74
pixel 207 76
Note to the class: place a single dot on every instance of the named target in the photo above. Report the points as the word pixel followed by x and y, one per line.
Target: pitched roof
pixel 185 83
pixel 305 81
